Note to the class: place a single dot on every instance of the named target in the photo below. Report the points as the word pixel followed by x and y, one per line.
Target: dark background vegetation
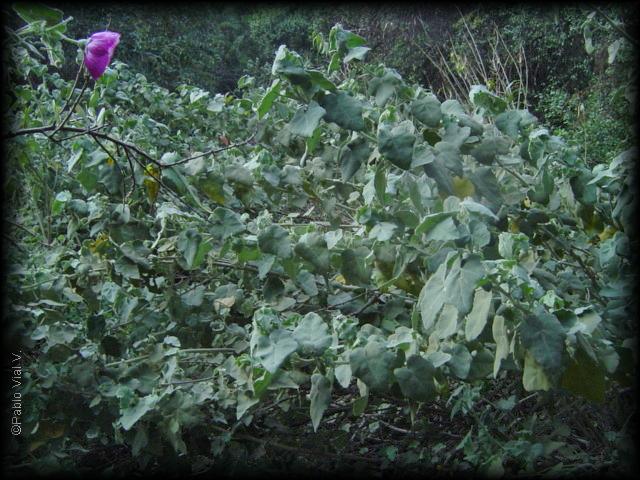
pixel 580 95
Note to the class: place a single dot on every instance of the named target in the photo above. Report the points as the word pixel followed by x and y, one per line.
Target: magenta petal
pixel 99 52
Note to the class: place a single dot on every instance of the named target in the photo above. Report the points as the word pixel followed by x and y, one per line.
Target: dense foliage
pixel 580 66
pixel 575 62
pixel 201 276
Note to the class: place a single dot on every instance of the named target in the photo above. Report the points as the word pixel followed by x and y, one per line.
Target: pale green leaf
pixel 245 402
pixel 343 110
pixel 431 298
pixel 130 416
pixel 427 110
pixel 499 331
pixel 269 97
pixel 461 282
pixel 343 375
pixel 533 376
pixel 416 379
pixel 312 334
pixel 225 223
pixel 396 142
pixel 307 282
pixel 481 97
pixel 275 240
pixel 374 364
pixel 382 231
pixel 320 397
pixel 312 247
pixel 306 121
pixel 356 53
pixel 447 323
pixel 274 349
pixel 353 156
pixel 477 317
pixel 460 362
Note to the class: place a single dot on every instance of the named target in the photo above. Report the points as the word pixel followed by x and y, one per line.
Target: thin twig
pixel 28 231
pixel 517 65
pixel 312 453
pixel 187 382
pixel 209 152
pixel 72 108
pixel 460 90
pixel 133 174
pixel 317 223
pixel 179 352
pixel 47 128
pixel 73 88
pixel 371 301
pixel 115 162
pixel 116 141
pixel 568 248
pixel 515 174
pixel 396 429
pixel 617 27
pixel 85 132
pixel 266 408
pixel 475 49
pixel 174 194
pixel 522 400
pixel 514 302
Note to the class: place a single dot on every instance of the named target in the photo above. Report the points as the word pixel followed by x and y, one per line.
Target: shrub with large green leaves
pixel 209 257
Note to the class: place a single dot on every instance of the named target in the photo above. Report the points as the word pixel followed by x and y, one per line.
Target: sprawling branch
pixel 126 145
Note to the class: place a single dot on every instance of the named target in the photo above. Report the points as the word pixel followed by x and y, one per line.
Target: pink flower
pixel 99 52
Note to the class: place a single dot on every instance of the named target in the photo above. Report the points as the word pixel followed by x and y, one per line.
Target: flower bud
pixel 99 52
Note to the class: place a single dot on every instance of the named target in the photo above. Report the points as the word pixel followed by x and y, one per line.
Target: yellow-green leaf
pixel 533 377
